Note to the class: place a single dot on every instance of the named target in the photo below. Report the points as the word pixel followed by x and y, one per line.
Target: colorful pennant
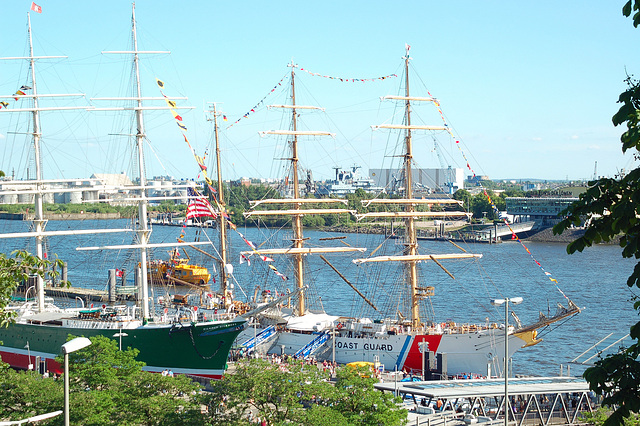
pixel 514 236
pixel 262 257
pixel 345 79
pixel 19 92
pixel 252 110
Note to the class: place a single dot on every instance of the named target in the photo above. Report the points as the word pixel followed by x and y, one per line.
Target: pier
pixel 532 400
pixel 89 294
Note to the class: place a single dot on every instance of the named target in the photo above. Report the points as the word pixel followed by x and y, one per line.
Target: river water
pixel 595 280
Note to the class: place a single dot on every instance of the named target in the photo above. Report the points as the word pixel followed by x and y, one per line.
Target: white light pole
pixel 34 419
pixel 29 365
pixel 120 335
pixel 333 344
pixel 69 347
pixel 424 347
pixel 505 370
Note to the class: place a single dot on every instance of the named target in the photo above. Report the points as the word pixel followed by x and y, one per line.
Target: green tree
pixel 108 386
pixel 480 206
pixel 13 271
pixel 612 207
pixel 295 393
pixel 277 393
pixel 360 404
pixel 26 394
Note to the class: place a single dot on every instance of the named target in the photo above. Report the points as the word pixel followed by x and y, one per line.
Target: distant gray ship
pixel 347 182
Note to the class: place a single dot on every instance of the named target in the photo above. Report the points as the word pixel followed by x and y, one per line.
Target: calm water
pixel 595 280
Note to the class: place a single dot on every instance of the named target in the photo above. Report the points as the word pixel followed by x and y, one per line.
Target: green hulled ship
pixel 184 339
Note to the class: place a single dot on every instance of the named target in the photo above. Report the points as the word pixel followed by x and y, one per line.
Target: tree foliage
pixel 15 269
pixel 296 393
pixel 611 208
pixel 109 386
pixel 26 394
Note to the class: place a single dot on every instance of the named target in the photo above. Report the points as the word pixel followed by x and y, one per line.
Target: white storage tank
pixel 73 198
pixel 9 199
pixel 26 198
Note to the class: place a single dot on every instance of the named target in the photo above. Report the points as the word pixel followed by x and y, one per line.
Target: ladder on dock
pixel 313 345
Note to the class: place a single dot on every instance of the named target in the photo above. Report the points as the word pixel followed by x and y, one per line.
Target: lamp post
pixel 29 365
pixel 69 347
pixel 424 347
pixel 120 335
pixel 333 344
pixel 505 370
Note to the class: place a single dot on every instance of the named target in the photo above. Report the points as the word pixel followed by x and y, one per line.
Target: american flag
pixel 198 206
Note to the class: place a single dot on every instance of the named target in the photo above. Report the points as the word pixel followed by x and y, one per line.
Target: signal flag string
pixel 514 236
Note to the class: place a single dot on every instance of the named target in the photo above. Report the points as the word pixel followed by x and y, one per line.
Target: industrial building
pixel 446 181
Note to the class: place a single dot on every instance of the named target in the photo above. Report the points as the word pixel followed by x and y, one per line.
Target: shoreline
pixel 543 236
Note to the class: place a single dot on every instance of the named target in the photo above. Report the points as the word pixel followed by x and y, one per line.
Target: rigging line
pixel 550 328
pixel 495 209
pixel 253 110
pixel 334 126
pixel 348 282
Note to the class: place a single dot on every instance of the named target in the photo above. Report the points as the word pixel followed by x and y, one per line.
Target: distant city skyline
pixel 528 90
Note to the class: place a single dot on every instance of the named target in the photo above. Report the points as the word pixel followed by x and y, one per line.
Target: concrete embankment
pixel 547 236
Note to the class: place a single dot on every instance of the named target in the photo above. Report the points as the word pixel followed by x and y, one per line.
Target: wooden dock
pixel 88 293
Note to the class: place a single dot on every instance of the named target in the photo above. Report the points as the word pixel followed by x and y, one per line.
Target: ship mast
pixel 298 241
pixel 39 220
pixel 298 250
pixel 143 232
pixel 411 240
pixel 410 256
pixel 222 221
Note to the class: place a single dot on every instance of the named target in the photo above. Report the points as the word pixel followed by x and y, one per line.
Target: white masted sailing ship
pixel 166 339
pixel 395 342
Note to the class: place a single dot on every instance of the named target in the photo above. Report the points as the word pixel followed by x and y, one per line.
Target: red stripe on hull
pixel 413 361
pixel 22 361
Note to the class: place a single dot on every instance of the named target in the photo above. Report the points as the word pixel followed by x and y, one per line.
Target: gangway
pixel 260 338
pixel 313 345
pixel 608 345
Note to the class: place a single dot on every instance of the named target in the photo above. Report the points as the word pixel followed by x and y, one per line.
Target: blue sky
pixel 529 89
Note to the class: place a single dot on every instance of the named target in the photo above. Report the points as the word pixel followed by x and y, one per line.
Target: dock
pixel 89 294
pixel 542 401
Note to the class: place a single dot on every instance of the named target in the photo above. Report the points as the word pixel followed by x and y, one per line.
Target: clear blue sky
pixel 529 89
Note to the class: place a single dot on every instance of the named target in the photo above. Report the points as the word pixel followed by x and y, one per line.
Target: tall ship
pixel 297 321
pixel 399 338
pixel 180 340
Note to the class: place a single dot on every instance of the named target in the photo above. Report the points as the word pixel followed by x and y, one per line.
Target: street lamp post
pixel 69 347
pixel 120 335
pixel 333 345
pixel 505 370
pixel 424 347
pixel 29 365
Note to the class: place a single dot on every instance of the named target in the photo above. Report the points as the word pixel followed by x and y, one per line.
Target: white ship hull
pixel 479 353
